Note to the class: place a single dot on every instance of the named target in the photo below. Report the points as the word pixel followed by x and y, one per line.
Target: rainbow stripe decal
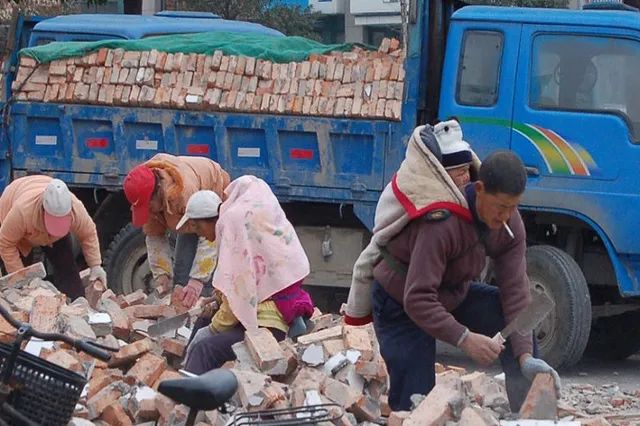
pixel 559 155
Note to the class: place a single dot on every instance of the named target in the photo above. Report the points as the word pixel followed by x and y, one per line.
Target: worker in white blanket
pixel 158 191
pixel 416 277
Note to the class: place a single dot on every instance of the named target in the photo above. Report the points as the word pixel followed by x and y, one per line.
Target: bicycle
pixel 34 391
pixel 213 391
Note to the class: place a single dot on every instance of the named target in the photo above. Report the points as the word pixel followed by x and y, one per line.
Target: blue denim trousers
pixel 409 352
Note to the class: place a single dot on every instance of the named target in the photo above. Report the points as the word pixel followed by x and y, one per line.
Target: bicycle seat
pixel 206 392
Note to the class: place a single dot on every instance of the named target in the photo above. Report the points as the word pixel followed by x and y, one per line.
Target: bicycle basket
pixel 42 391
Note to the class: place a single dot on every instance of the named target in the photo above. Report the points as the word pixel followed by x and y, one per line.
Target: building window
pixel 587 73
pixel 479 69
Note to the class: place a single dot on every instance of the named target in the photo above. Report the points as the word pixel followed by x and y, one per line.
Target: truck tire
pixel 562 337
pixel 615 338
pixel 126 262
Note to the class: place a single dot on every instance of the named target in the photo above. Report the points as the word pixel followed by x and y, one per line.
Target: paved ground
pixel 626 374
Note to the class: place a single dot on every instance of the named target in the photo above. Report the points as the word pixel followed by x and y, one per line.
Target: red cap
pixel 138 188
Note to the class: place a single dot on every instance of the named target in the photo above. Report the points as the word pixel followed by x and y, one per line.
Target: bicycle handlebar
pixel 94 349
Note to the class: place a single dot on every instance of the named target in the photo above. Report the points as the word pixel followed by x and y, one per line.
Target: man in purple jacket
pixel 424 287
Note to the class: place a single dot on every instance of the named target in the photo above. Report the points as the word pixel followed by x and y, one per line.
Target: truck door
pixel 478 79
pixel 576 124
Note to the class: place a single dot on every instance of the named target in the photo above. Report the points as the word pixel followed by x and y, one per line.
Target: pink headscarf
pixel 259 253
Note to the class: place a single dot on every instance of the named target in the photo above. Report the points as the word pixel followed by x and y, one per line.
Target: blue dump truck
pixel 558 87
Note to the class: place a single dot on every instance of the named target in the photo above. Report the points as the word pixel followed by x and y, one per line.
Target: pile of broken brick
pixel 359 83
pixel 332 364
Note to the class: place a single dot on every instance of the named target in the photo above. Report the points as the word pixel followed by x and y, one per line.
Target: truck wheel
pixel 126 262
pixel 563 335
pixel 615 338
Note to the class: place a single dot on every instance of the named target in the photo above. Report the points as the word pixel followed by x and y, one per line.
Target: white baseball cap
pixel 201 205
pixel 57 205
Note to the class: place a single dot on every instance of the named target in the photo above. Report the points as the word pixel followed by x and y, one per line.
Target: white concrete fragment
pixel 312 397
pixel 36 345
pixel 313 355
pixel 99 318
pixel 353 356
pixel 144 393
pixel 184 332
pixel 333 362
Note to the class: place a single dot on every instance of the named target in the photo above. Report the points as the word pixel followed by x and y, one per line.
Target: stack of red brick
pixel 359 83
pixel 332 364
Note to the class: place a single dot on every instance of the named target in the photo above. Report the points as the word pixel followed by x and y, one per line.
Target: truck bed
pixel 302 158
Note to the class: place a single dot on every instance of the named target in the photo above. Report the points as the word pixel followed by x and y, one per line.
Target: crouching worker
pixel 38 211
pixel 158 191
pixel 261 266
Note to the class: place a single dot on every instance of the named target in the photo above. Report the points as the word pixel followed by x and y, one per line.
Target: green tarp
pixel 271 48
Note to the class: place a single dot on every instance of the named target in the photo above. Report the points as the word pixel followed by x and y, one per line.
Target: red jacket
pixel 443 258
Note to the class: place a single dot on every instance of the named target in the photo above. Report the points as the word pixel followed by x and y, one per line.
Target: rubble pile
pixel 333 363
pixel 586 401
pixel 360 83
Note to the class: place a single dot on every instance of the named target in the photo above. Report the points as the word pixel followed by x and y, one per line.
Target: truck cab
pixel 559 88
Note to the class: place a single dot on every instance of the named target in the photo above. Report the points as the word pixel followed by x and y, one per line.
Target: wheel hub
pixel 546 331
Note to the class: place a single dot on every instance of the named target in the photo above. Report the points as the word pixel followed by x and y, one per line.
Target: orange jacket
pixel 180 178
pixel 22 223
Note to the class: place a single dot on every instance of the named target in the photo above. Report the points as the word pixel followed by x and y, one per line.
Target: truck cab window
pixel 584 73
pixel 479 69
pixel 43 41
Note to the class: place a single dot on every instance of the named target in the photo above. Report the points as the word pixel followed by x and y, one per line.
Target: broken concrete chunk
pixel 175 347
pixel 76 327
pixel 321 322
pixel 131 352
pixel 475 416
pixel 541 402
pixel 148 369
pixel 359 339
pixel 439 405
pixel 340 393
pixel 23 277
pixel 119 319
pixel 115 415
pixel 44 313
pixel 100 323
pixel 135 298
pixel 265 350
pixel 313 355
pixel 333 346
pixel 65 359
pixel 104 398
pixel 397 418
pixel 319 336
pixel 250 386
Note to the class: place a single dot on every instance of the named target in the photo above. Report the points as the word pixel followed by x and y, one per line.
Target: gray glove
pixel 533 366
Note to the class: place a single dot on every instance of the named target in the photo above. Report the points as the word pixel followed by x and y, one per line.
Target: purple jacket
pixel 293 301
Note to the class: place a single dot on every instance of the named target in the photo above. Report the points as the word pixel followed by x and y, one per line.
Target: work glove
pixel 191 293
pixel 97 273
pixel 533 366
